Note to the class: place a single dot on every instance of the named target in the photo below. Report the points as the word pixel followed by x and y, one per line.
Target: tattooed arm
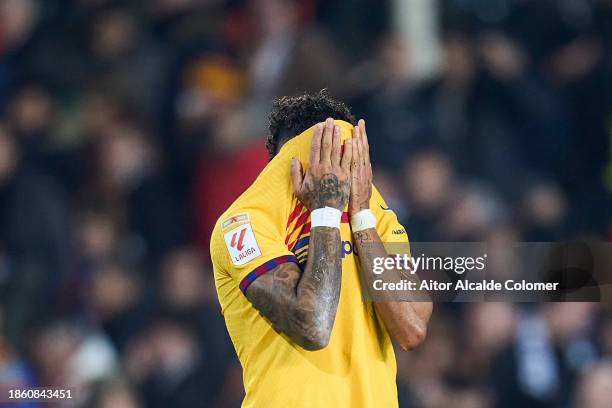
pixel 405 321
pixel 303 305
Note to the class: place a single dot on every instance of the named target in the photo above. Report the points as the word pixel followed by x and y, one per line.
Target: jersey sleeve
pixel 387 225
pixel 245 245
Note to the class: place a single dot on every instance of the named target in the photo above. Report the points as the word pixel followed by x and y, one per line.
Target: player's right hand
pixel 327 179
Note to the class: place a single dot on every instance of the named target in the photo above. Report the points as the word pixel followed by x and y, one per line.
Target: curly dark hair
pixel 291 115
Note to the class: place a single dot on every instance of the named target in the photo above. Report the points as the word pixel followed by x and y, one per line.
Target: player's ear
pixel 296 175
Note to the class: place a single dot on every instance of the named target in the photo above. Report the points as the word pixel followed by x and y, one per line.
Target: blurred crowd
pixel 127 127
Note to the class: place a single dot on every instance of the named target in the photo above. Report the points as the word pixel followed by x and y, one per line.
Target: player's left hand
pixel 361 170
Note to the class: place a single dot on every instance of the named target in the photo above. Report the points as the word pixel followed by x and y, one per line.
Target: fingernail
pixel 337 129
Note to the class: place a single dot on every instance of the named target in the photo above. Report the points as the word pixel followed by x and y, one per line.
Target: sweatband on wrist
pixel 363 220
pixel 325 217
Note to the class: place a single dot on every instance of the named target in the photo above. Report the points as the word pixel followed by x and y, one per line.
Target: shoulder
pixel 379 206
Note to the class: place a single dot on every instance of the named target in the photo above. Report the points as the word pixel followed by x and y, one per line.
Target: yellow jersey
pixel 267 226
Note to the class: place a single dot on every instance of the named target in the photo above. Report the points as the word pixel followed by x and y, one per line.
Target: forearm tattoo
pixel 369 246
pixel 303 305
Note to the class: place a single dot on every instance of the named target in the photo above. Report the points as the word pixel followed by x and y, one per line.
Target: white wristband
pixel 325 217
pixel 364 219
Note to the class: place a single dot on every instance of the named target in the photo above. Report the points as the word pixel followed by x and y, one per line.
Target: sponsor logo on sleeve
pixel 398 231
pixel 241 244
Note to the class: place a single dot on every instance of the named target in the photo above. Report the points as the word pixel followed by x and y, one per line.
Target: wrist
pixel 362 220
pixel 325 217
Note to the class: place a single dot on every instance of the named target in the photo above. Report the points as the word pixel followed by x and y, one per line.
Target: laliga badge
pixel 241 244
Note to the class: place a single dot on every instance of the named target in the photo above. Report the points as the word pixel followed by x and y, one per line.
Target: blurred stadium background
pixel 126 128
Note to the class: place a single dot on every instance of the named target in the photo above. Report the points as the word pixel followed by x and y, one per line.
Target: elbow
pixel 314 342
pixel 412 336
pixel 414 332
pixel 314 331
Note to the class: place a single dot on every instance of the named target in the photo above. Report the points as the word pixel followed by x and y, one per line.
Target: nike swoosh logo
pixel 384 209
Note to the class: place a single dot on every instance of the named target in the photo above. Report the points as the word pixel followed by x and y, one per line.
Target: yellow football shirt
pixel 263 228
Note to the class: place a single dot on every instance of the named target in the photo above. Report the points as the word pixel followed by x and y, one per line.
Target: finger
pixel 315 147
pixel 366 143
pixel 326 141
pixel 361 158
pixel 347 156
pixel 356 137
pixel 355 157
pixel 362 128
pixel 359 141
pixel 296 175
pixel 336 146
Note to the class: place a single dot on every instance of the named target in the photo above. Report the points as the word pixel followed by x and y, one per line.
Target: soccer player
pixel 286 261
